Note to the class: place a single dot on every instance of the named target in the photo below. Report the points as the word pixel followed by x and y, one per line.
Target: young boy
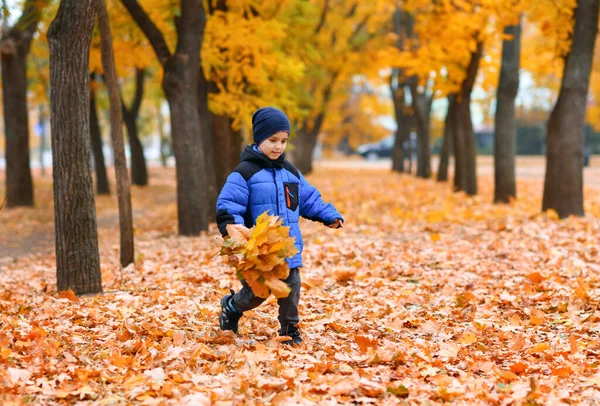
pixel 265 181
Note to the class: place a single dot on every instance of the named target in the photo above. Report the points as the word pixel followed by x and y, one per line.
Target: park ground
pixel 426 296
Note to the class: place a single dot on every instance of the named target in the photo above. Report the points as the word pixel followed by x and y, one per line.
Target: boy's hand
pixel 337 224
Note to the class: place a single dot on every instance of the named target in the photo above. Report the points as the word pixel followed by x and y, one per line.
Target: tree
pixel 463 136
pixel 246 67
pixel 139 170
pixel 14 48
pixel 421 104
pixel 505 120
pixel 563 183
pixel 77 255
pixel 116 124
pixel 404 118
pixel 398 84
pixel 442 175
pixel 102 185
pixel 180 84
pixel 345 35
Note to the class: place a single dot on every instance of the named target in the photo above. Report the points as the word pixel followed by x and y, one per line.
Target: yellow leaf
pixel 552 214
pixel 539 347
pixel 279 288
pixel 468 338
pixel 259 289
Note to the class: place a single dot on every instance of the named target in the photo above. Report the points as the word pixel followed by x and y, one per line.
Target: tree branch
pixel 156 38
pixel 140 73
pixel 322 18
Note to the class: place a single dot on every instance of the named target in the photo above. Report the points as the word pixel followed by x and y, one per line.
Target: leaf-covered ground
pixel 424 297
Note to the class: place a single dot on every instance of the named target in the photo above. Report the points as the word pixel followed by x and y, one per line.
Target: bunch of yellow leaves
pixel 258 254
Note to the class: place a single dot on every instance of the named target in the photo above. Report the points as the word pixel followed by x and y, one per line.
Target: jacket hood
pixel 252 155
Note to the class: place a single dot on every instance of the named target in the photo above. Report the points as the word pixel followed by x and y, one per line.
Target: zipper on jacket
pixel 276 190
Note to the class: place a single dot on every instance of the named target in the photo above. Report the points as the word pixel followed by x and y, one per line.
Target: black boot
pixel 228 320
pixel 291 331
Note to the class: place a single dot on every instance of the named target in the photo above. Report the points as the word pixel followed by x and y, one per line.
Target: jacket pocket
pixel 291 195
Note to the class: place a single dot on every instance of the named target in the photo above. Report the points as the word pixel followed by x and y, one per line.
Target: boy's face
pixel 274 146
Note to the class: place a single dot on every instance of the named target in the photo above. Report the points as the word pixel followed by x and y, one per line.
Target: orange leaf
pixel 518 344
pixel 539 347
pixel 518 367
pixel 536 277
pixel 537 317
pixel 507 375
pixel 562 371
pixel 68 294
pixel 365 342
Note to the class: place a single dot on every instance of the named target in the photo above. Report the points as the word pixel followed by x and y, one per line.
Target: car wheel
pixel 372 156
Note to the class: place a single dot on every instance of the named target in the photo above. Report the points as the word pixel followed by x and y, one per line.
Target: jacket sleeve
pixel 312 206
pixel 232 202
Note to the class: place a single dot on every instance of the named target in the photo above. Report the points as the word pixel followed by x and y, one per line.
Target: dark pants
pixel 288 307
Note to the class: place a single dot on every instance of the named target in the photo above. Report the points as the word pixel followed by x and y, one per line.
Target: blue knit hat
pixel 268 121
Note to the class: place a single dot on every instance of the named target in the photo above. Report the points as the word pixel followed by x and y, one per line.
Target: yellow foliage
pixel 259 255
pixel 245 56
pixel 131 47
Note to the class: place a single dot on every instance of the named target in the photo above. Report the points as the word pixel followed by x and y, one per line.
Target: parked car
pixel 384 148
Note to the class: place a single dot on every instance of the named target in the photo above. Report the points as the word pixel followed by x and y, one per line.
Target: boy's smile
pixel 275 145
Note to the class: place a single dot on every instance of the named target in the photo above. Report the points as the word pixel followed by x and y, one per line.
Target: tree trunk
pixel 442 175
pixel 139 170
pixel 116 124
pixel 306 138
pixel 180 84
pixel 14 48
pixel 505 122
pixel 164 142
pixel 102 186
pixel 206 124
pixel 403 125
pixel 77 256
pixel 465 149
pixel 421 106
pixel 304 146
pixel 563 185
pixel 227 146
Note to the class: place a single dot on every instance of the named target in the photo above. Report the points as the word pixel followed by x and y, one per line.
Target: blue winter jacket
pixel 260 184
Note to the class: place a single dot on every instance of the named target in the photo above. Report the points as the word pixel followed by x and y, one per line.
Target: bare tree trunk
pixel 421 104
pixel 139 170
pixel 304 147
pixel 77 255
pixel 403 125
pixel 442 175
pixel 206 123
pixel 180 84
pixel 505 122
pixel 14 48
pixel 465 149
pixel 164 144
pixel 226 142
pixel 227 146
pixel 563 185
pixel 102 185
pixel 116 122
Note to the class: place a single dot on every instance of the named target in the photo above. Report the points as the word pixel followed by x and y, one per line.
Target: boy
pixel 265 181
